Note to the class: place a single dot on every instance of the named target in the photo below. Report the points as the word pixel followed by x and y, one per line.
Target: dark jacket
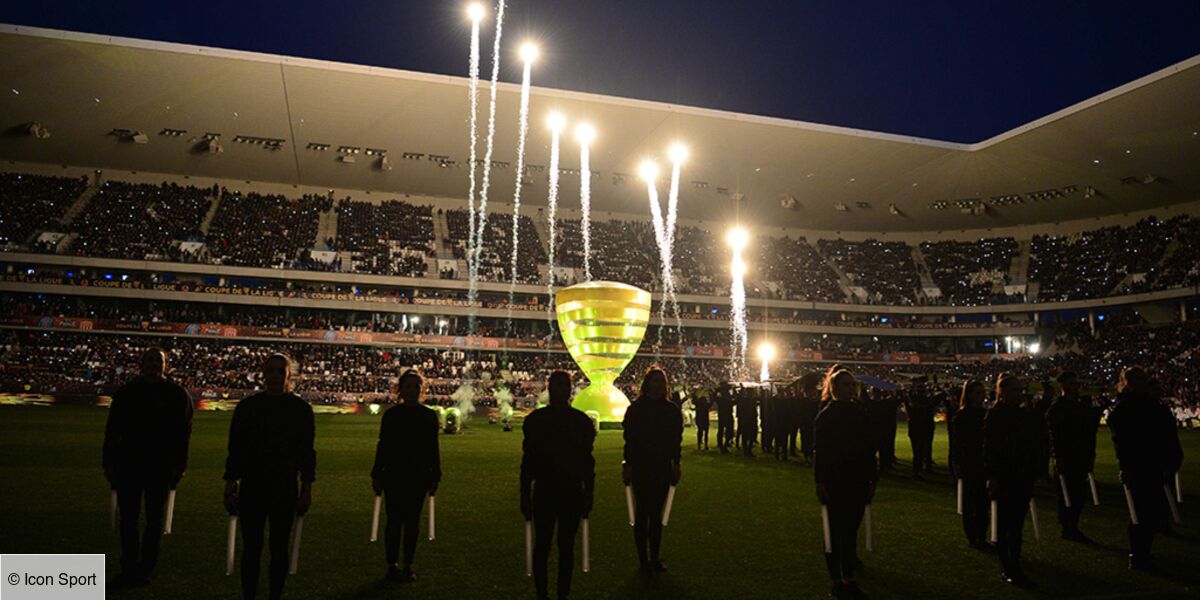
pixel 724 405
pixel 408 451
pixel 557 451
pixel 149 428
pixel 1145 437
pixel 1011 445
pixel 966 446
pixel 1072 427
pixel 843 451
pixel 920 408
pixel 271 438
pixel 702 405
pixel 653 435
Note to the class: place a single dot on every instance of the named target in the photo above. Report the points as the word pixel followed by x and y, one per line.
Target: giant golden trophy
pixel 602 323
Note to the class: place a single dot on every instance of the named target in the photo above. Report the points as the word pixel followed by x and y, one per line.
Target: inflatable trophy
pixel 602 324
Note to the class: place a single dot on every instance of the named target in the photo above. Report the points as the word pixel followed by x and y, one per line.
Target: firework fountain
pixel 475 12
pixel 529 53
pixel 585 134
pixel 648 171
pixel 557 123
pixel 737 239
pixel 678 153
pixel 475 235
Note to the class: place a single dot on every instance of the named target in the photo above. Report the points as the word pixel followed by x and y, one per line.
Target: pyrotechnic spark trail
pixel 528 54
pixel 475 11
pixel 648 171
pixel 585 134
pixel 557 123
pixel 678 154
pixel 475 241
pixel 737 239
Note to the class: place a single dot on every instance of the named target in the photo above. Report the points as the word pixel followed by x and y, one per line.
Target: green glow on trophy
pixel 602 324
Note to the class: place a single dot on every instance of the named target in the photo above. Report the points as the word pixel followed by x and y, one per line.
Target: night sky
pixel 959 71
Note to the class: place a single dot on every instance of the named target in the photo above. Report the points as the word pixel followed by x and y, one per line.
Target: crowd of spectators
pixel 140 221
pixel 390 238
pixel 801 273
pixel 265 230
pixel 884 269
pixel 970 273
pixel 495 260
pixel 1091 264
pixel 29 203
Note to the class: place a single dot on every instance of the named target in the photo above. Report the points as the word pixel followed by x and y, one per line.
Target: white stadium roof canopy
pixel 1132 148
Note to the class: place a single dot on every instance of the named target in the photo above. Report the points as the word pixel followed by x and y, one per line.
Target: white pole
pixel 1178 489
pixel 1171 501
pixel 1095 494
pixel 995 524
pixel 825 527
pixel 666 516
pixel 432 520
pixel 528 548
pixel 629 502
pixel 960 492
pixel 1037 529
pixel 231 542
pixel 1062 482
pixel 296 545
pixel 170 513
pixel 112 510
pixel 375 517
pixel 587 547
pixel 1129 502
pixel 870 529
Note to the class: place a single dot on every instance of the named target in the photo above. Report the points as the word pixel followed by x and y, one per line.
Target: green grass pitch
pixel 740 529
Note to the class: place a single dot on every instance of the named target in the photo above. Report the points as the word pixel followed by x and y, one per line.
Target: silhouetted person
pixel 1010 463
pixel 702 404
pixel 809 406
pixel 270 447
pixel 881 411
pixel 747 420
pixel 845 473
pixel 407 466
pixel 145 456
pixel 1040 408
pixel 920 409
pixel 1072 428
pixel 966 448
pixel 766 414
pixel 653 434
pixel 725 430
pixel 1147 443
pixel 558 475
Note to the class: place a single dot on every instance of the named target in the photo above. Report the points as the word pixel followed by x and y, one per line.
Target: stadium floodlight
pixel 585 134
pixel 678 152
pixel 557 122
pixel 648 170
pixel 529 52
pixel 475 11
pixel 737 238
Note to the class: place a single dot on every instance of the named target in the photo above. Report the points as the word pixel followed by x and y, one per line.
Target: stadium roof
pixel 1131 148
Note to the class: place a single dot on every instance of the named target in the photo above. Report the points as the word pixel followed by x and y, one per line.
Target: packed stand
pixel 30 203
pixel 799 270
pixel 1091 264
pixel 265 230
pixel 392 238
pixel 884 269
pixel 140 221
pixel 495 261
pixel 970 273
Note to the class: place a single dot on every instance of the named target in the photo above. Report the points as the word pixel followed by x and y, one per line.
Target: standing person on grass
pixel 653 435
pixel 1012 453
pixel 270 447
pixel 966 449
pixel 558 475
pixel 1072 428
pixel 407 466
pixel 145 455
pixel 845 473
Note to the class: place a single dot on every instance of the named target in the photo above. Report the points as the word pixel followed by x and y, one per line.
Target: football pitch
pixel 741 528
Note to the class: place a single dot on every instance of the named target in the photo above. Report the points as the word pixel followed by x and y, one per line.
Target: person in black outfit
pixel 920 409
pixel 881 411
pixel 653 434
pixel 1041 407
pixel 702 404
pixel 1072 427
pixel 747 421
pixel 966 448
pixel 1146 440
pixel 558 474
pixel 845 473
pixel 145 455
pixel 806 413
pixel 725 404
pixel 1010 462
pixel 270 446
pixel 407 466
